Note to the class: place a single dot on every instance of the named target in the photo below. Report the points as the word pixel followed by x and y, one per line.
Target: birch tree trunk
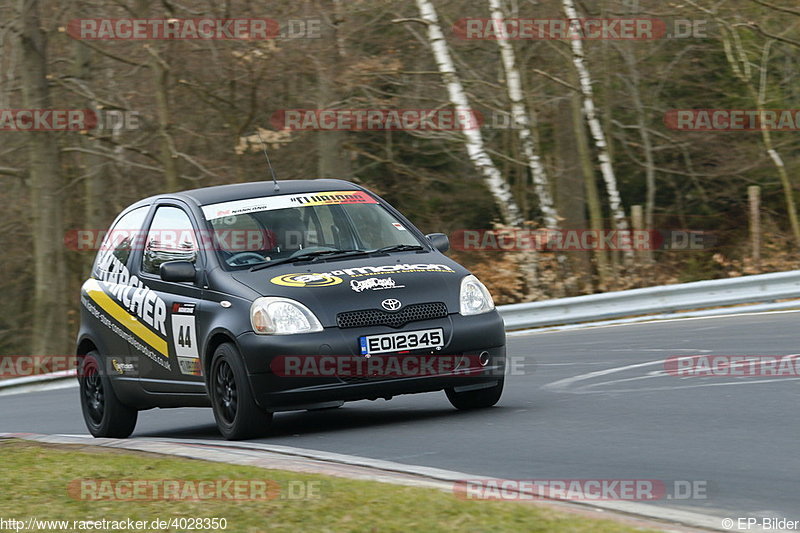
pixel 766 137
pixel 590 113
pixel 519 116
pixel 474 144
pixel 50 331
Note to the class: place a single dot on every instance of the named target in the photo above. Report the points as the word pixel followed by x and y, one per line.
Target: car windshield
pixel 261 231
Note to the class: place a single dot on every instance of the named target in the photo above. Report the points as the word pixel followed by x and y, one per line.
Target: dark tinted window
pixel 171 238
pixel 122 237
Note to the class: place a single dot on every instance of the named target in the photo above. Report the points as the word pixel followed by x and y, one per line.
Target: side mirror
pixel 439 241
pixel 178 271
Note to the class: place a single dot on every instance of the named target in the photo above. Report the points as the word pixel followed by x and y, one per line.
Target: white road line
pixel 562 384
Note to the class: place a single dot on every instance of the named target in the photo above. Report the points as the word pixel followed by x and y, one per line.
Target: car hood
pixel 331 287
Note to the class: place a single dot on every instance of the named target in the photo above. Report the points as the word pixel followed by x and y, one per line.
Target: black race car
pixel 263 297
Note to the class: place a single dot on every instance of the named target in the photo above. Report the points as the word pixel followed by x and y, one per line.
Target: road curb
pixel 354 467
pixel 37 379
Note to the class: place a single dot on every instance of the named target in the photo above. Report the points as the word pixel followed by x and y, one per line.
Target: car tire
pixel 104 414
pixel 475 399
pixel 235 410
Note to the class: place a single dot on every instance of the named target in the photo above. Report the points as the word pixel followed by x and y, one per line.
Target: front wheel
pixel 104 414
pixel 475 399
pixel 235 410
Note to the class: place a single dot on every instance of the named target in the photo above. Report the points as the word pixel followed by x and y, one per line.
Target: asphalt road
pixel 583 404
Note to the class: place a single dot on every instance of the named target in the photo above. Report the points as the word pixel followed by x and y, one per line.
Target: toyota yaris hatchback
pixel 257 298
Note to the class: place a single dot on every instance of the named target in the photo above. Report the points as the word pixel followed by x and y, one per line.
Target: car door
pixel 172 235
pixel 105 295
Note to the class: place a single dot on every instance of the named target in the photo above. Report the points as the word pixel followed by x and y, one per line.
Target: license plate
pixel 407 340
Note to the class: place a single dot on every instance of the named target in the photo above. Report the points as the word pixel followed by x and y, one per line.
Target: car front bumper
pixel 465 339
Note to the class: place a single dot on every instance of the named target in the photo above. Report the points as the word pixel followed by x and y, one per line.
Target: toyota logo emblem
pixel 390 304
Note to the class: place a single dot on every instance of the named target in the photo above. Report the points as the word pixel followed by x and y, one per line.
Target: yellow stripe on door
pixel 96 293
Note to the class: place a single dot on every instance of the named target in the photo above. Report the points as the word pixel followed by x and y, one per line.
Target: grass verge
pixel 36 480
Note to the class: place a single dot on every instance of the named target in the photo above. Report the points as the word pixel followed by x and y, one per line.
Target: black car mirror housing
pixel 439 241
pixel 178 271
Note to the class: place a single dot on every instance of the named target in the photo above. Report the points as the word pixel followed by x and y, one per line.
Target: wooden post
pixel 754 199
pixel 637 221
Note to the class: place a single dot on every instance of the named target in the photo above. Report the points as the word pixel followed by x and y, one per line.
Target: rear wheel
pixel 104 414
pixel 235 410
pixel 475 399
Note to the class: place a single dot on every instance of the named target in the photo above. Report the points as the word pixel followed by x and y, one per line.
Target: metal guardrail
pixel 630 303
pixel 650 300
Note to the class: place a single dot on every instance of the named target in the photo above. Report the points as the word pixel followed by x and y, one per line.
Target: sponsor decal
pixel 133 340
pixel 327 279
pixel 121 368
pixel 306 280
pixel 393 269
pixel 183 308
pixel 374 284
pixel 131 292
pixel 254 205
pixel 136 307
pixel 190 367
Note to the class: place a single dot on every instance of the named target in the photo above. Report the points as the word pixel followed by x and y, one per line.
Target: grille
pixel 378 317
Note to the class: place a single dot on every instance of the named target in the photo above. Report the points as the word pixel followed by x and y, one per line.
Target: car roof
pixel 255 189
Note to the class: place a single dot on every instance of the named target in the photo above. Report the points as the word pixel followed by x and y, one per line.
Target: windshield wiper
pixel 398 248
pixel 310 256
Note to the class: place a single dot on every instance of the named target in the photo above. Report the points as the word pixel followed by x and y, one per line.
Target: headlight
pixel 475 298
pixel 282 316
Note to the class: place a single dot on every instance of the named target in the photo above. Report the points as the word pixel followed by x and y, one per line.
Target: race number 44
pixel 184 336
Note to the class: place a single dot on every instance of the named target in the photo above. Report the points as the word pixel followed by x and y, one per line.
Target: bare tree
pixel 50 335
pixel 590 113
pixel 474 144
pixel 519 116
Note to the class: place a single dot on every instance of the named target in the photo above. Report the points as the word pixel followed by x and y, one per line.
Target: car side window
pixel 121 239
pixel 171 237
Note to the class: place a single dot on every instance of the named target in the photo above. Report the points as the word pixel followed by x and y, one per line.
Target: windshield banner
pixel 254 205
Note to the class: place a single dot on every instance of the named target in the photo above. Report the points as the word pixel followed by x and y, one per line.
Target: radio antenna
pixel 269 164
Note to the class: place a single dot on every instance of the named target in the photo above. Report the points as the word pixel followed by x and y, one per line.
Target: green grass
pixel 35 479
